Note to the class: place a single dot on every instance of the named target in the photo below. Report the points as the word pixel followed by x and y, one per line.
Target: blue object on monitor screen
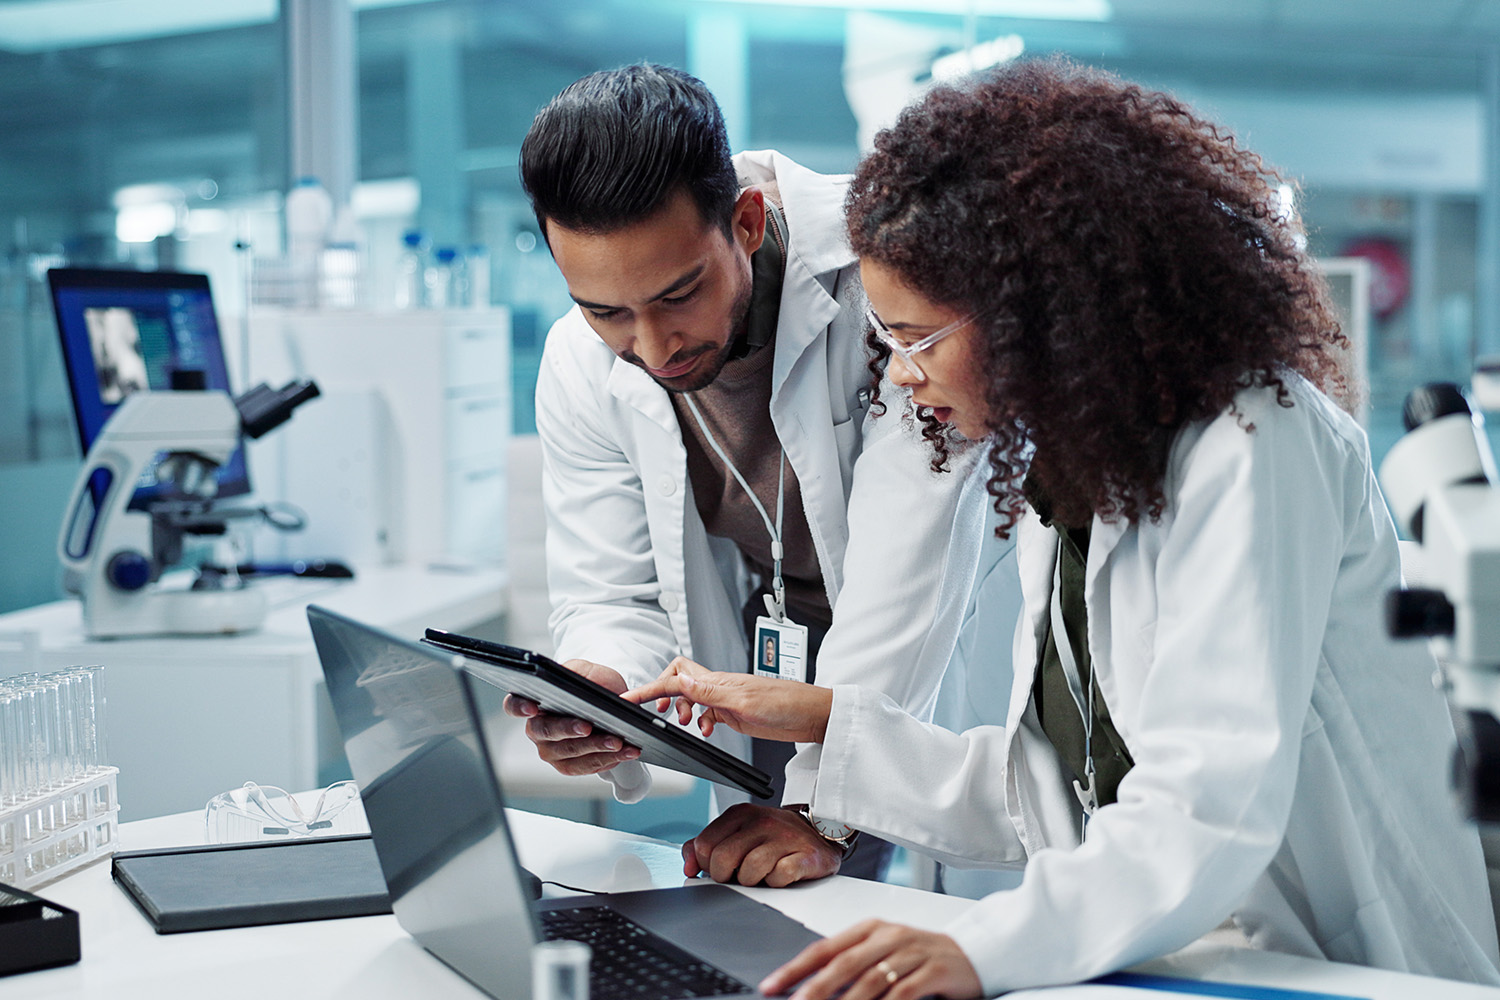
pixel 128 330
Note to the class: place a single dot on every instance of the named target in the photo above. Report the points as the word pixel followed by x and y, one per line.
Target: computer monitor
pixel 127 330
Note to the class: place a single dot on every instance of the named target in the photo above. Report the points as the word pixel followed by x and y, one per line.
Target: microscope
pixel 1441 483
pixel 115 552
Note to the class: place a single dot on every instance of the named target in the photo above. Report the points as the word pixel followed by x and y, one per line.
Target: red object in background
pixel 1390 274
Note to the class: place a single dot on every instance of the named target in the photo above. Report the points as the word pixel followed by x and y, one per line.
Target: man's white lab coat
pixel 634 578
pixel 1290 759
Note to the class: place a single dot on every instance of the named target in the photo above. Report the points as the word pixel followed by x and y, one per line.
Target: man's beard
pixel 703 378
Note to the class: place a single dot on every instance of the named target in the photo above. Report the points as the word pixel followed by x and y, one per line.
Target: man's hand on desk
pixel 755 845
pixel 570 745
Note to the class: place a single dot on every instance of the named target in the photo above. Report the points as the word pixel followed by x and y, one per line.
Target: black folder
pixel 241 885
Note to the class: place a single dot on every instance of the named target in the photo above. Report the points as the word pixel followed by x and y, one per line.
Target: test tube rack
pixel 46 836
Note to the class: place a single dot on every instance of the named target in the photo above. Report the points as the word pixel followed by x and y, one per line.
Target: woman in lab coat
pixel 1206 719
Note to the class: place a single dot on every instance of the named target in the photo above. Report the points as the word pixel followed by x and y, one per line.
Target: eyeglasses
pixel 907 352
pixel 263 812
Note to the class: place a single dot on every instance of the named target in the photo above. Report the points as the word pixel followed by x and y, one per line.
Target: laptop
pixel 419 730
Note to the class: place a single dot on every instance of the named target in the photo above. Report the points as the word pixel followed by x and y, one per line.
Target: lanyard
pixel 1086 790
pixel 776 600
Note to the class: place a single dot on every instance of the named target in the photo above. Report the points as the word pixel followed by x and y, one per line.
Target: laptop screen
pixel 418 752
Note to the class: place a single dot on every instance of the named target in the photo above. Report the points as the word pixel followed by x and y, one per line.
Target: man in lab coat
pixel 718 343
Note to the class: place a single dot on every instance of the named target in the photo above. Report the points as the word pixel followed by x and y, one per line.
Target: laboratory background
pixel 345 172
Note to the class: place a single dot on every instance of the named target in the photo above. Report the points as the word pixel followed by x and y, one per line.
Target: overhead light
pixel 144 223
pixel 978 57
pixel 38 25
pixel 1039 10
pixel 398 198
pixel 42 25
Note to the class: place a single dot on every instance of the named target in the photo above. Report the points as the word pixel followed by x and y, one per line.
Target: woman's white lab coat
pixel 633 577
pixel 1290 760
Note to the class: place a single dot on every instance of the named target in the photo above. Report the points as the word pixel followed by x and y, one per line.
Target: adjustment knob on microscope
pixel 1417 612
pixel 128 570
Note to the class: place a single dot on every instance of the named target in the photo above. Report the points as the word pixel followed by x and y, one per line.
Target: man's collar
pixel 767 270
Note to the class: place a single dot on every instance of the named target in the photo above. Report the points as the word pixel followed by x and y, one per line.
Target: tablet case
pixel 35 933
pixel 241 885
pixel 558 689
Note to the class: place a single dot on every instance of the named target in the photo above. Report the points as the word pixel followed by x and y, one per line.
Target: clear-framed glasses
pixel 264 812
pixel 907 352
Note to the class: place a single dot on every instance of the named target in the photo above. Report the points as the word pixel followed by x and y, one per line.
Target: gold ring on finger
pixel 891 975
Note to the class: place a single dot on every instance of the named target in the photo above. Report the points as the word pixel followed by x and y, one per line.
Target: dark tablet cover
pixel 240 885
pixel 558 689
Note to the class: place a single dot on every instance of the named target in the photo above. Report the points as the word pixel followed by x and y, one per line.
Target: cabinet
pixel 404 460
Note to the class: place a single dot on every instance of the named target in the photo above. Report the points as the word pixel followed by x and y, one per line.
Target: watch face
pixel 831 830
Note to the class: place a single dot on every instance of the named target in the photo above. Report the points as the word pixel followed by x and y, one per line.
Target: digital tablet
pixel 564 692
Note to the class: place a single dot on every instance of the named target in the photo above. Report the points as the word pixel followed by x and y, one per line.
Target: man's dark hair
pixel 613 147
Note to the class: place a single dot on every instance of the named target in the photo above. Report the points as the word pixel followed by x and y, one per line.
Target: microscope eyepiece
pixel 1431 401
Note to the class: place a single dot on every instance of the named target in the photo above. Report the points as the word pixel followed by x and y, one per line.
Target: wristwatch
pixel 837 834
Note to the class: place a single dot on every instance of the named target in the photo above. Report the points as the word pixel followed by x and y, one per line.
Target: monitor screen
pixel 128 330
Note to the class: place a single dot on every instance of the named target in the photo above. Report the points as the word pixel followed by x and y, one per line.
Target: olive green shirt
pixel 1055 708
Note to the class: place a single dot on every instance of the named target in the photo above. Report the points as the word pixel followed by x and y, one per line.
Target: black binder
pixel 241 885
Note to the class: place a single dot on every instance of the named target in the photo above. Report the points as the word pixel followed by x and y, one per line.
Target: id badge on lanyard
pixel 780 649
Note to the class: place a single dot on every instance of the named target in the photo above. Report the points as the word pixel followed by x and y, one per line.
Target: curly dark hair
pixel 1130 264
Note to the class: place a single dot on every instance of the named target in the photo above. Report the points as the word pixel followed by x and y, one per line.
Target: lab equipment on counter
pixel 116 549
pixel 442 278
pixel 58 807
pixel 309 217
pixel 477 269
pixel 411 271
pixel 255 812
pixel 1441 484
pixel 126 331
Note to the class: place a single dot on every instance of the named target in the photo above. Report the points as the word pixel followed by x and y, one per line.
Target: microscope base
pixel 174 612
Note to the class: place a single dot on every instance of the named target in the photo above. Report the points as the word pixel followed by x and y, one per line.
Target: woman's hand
pixel 764 707
pixel 878 959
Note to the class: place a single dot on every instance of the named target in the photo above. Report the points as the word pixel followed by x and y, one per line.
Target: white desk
pixel 369 958
pixel 190 717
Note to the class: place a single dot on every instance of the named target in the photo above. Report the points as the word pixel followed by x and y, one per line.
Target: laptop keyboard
pixel 631 963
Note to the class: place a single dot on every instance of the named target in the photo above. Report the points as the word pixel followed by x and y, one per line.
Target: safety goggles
pixel 907 352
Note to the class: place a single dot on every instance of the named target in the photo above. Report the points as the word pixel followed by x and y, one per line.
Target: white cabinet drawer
pixel 476 508
pixel 477 424
pixel 478 354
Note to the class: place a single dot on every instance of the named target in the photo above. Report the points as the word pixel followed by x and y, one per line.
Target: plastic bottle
pixel 410 271
pixel 342 264
pixel 478 267
pixel 309 214
pixel 458 291
pixel 440 278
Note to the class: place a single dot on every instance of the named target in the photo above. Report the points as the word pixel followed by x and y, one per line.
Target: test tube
pixel 17 739
pixel 560 970
pixel 59 751
pixel 10 744
pixel 33 735
pixel 98 749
